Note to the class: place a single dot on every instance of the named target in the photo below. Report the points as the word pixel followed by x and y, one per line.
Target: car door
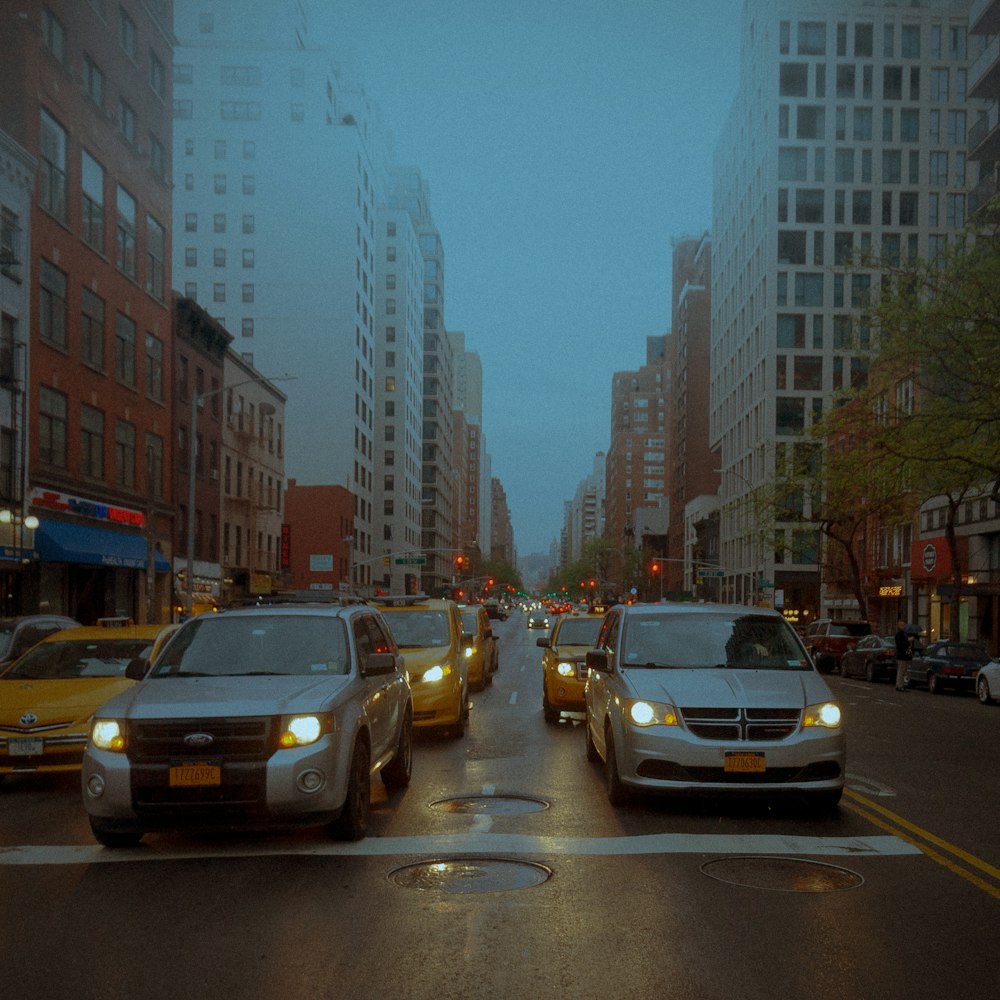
pixel 393 690
pixel 599 691
pixel 373 695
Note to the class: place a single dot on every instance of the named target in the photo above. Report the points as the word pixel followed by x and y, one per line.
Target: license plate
pixel 745 763
pixel 195 775
pixel 25 747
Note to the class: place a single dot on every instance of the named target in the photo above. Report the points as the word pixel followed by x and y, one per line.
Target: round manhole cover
pixel 470 875
pixel 491 805
pixel 782 874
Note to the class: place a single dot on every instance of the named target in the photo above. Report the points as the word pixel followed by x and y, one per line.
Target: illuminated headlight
pixel 301 730
pixel 437 673
pixel 826 716
pixel 565 669
pixel 652 713
pixel 470 651
pixel 108 734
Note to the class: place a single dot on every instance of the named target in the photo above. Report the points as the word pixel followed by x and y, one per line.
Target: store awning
pixel 60 541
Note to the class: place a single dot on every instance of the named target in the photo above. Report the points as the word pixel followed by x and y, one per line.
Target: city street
pixel 502 871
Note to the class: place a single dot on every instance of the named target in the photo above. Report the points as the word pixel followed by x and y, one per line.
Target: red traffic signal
pixel 655 568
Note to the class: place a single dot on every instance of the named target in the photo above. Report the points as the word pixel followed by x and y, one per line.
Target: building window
pixel 249 224
pixel 154 367
pixel 249 149
pixel 184 110
pixel 298 112
pixel 191 289
pixel 124 350
pixel 248 258
pixel 53 167
pixel 125 454
pixel 154 465
pixel 126 33
pixel 157 157
pixel 93 80
pixel 246 327
pixel 183 73
pixel 190 256
pixel 92 329
pixel 125 233
pixel 93 202
pixel 249 184
pixel 53 34
pixel 155 247
pixel 219 183
pixel 91 442
pixel 52 304
pixel 219 257
pixel 126 121
pixel 52 427
pixel 248 293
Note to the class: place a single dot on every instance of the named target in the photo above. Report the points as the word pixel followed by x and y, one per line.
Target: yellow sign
pixel 891 590
pixel 260 583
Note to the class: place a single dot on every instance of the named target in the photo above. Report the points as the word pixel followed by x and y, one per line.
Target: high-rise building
pixel 275 177
pixel 847 135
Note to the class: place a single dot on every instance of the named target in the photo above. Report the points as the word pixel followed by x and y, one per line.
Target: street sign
pixel 412 561
pixel 711 572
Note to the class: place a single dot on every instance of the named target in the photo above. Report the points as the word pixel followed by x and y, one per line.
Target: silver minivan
pixel 710 698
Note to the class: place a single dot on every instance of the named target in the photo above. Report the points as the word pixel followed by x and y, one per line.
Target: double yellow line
pixel 953 858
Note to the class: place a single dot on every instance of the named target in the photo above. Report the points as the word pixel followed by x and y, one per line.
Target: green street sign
pixel 712 572
pixel 412 561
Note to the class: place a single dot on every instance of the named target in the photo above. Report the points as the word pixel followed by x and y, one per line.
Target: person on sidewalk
pixel 904 653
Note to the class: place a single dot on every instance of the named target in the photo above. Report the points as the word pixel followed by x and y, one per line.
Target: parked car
pixel 827 639
pixel 946 665
pixel 48 695
pixel 874 658
pixel 18 635
pixel 564 667
pixel 988 682
pixel 713 699
pixel 429 634
pixel 252 718
pixel 480 646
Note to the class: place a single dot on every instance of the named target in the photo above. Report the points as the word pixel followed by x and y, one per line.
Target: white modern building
pixel 848 134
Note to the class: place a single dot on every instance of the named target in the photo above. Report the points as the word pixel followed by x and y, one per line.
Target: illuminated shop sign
pixel 891 590
pixel 50 500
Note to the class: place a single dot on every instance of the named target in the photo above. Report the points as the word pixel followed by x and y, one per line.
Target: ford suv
pixel 254 717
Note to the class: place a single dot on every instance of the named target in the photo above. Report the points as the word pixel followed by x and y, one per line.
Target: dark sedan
pixel 874 658
pixel 946 665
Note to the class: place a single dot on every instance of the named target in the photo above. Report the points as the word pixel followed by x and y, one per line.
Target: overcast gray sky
pixel 566 144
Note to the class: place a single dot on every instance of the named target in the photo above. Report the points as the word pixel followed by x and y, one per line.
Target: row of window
pixel 794 79
pixel 238 76
pixel 219 257
pixel 944 41
pixel 811 123
pixel 849 165
pixel 239 111
pixel 895 208
pixel 248 223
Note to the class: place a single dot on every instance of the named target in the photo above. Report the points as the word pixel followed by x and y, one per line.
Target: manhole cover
pixel 782 874
pixel 470 875
pixel 491 805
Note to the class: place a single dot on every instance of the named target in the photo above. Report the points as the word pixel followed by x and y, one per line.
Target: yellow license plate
pixel 195 775
pixel 745 763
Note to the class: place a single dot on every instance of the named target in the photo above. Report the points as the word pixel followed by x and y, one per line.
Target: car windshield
pixel 579 631
pixel 418 629
pixel 723 640
pixel 67 660
pixel 470 621
pixel 250 645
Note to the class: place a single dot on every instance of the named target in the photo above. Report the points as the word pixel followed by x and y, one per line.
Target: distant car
pixel 945 665
pixel 988 683
pixel 256 717
pixel 539 618
pixel 874 658
pixel 48 695
pixel 710 698
pixel 827 639
pixel 18 635
pixel 564 667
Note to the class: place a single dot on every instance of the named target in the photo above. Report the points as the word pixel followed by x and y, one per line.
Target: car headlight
pixel 825 716
pixel 651 713
pixel 565 669
pixel 438 673
pixel 108 734
pixel 301 730
pixel 470 651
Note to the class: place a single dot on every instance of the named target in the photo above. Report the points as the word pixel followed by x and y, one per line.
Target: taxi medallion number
pixel 195 775
pixel 745 763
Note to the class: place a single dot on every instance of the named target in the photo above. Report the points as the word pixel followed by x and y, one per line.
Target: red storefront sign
pixel 930 560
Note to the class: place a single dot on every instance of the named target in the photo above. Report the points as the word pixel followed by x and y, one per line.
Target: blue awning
pixel 60 541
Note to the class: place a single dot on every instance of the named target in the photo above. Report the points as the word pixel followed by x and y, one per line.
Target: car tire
pixel 396 774
pixel 113 836
pixel 870 674
pixel 458 730
pixel 592 754
pixel 618 794
pixel 551 714
pixel 843 668
pixel 983 691
pixel 934 684
pixel 352 823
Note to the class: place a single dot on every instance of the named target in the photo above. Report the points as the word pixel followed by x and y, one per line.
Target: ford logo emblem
pixel 28 719
pixel 198 739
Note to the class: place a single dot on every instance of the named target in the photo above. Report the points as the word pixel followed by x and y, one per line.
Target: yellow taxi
pixel 48 694
pixel 428 632
pixel 482 653
pixel 564 668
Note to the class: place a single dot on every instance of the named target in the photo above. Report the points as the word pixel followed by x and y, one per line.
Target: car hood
pixel 57 702
pixel 568 650
pixel 727 688
pixel 421 658
pixel 205 697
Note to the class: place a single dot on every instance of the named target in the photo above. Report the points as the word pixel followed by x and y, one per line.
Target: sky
pixel 566 144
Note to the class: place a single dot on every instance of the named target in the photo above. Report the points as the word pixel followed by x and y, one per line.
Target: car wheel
pixel 870 672
pixel 934 684
pixel 983 691
pixel 843 668
pixel 592 753
pixel 551 714
pixel 617 792
pixel 396 774
pixel 458 730
pixel 352 823
pixel 114 836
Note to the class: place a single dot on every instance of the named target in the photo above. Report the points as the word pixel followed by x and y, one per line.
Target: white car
pixel 710 698
pixel 988 683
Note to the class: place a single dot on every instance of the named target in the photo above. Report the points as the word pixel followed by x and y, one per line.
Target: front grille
pixel 236 739
pixel 751 725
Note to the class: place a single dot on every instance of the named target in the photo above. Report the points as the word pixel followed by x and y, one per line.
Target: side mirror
pixel 544 642
pixel 137 668
pixel 379 663
pixel 597 659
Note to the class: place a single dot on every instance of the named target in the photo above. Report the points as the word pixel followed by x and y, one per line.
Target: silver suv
pixel 685 697
pixel 257 717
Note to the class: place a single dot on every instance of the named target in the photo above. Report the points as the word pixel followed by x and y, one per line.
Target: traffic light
pixel 655 567
pixel 459 562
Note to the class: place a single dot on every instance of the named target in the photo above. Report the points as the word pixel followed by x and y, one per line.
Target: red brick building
pixel 315 550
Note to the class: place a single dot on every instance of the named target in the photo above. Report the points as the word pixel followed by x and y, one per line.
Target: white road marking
pixel 478 844
pixel 513 698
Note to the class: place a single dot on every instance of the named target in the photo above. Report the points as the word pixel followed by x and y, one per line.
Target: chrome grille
pixel 750 725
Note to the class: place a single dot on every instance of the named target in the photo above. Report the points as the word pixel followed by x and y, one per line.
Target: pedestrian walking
pixel 904 653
